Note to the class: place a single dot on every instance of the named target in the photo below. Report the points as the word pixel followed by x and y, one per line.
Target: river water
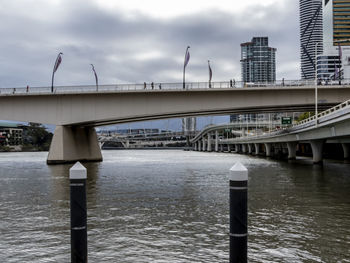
pixel 172 206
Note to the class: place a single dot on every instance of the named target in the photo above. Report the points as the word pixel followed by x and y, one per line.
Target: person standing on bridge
pixel 160 86
pixel 152 85
pixel 144 85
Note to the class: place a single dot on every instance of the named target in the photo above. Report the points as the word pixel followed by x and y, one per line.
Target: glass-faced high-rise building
pixel 258 61
pixel 336 22
pixel 310 35
pixel 334 62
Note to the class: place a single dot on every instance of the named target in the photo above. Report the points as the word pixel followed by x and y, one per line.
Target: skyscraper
pixel 333 62
pixel 258 61
pixel 336 22
pixel 310 35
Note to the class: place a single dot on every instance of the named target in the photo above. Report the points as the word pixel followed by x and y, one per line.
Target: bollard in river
pixel 238 213
pixel 78 232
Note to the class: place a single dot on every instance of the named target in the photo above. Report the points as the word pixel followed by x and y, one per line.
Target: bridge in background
pixel 330 126
pixel 77 110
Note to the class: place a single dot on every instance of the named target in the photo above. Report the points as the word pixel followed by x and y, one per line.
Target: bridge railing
pixel 241 124
pixel 164 86
pixel 324 115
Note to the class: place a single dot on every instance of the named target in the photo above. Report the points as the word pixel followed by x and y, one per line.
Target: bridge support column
pixel 268 149
pixel 209 142
pixel 237 148
pixel 199 145
pixel 250 148
pixel 244 148
pixel 243 132
pixel 195 146
pixel 228 148
pixel 71 144
pixel 346 150
pixel 216 141
pixel 292 150
pixel 256 148
pixel 221 147
pixel 317 148
pixel 203 145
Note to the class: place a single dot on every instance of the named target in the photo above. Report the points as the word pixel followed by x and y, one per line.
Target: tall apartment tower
pixel 310 35
pixel 336 22
pixel 334 62
pixel 258 61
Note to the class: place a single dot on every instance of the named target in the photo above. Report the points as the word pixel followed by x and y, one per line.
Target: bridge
pixel 330 126
pixel 77 110
pixel 143 140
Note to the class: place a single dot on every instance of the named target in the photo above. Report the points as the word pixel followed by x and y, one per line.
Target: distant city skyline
pixel 139 41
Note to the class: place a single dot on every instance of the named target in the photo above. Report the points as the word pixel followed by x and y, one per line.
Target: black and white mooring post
pixel 238 213
pixel 78 232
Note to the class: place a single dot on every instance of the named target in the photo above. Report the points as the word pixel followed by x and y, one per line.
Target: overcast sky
pixel 132 41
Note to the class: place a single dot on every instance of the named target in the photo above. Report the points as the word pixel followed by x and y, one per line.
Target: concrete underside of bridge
pixel 71 143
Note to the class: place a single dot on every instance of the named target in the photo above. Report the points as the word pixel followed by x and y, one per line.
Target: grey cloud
pixel 86 34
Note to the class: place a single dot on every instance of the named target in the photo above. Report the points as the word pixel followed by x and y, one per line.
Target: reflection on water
pixel 172 206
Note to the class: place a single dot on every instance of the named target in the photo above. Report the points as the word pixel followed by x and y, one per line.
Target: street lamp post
pixel 316 79
pixel 96 79
pixel 187 58
pixel 57 64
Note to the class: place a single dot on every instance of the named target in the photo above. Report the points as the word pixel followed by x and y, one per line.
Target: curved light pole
pixel 93 69
pixel 57 64
pixel 210 74
pixel 187 58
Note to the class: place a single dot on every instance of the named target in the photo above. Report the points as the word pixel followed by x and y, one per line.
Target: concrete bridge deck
pixel 332 125
pixel 77 110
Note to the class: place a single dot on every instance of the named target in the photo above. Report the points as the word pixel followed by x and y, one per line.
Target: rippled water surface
pixel 172 206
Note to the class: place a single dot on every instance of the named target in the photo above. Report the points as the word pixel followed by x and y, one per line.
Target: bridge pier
pixel 292 150
pixel 71 144
pixel 199 145
pixel 249 148
pixel 216 141
pixel 209 142
pixel 346 150
pixel 221 147
pixel 244 148
pixel 268 149
pixel 203 144
pixel 317 148
pixel 256 148
pixel 195 146
pixel 228 148
pixel 237 148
